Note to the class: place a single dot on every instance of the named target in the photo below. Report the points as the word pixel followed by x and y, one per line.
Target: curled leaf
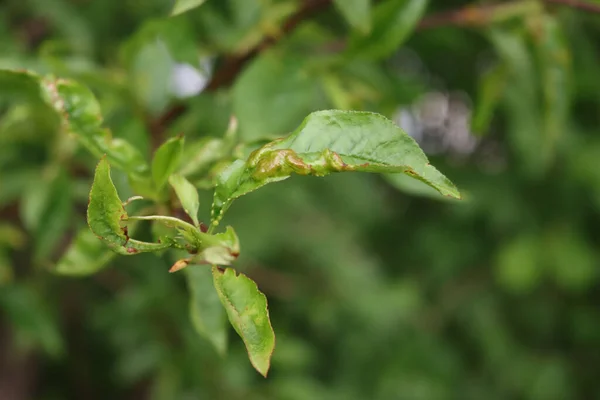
pixel 188 196
pixel 105 214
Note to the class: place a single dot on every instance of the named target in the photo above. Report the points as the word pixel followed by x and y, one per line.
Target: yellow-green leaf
pixel 247 310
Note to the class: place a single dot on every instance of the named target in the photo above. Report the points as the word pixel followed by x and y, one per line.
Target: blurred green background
pixel 377 288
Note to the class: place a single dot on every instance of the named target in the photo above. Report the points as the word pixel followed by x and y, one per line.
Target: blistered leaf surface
pixel 326 142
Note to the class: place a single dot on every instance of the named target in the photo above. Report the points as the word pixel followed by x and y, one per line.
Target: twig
pixel 582 5
pixel 232 65
pixel 473 15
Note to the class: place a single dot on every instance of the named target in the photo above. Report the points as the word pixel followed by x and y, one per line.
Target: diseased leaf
pixel 79 113
pixel 326 142
pixel 182 6
pixel 220 249
pixel 247 310
pixel 393 22
pixel 85 256
pixel 166 160
pixel 81 117
pixel 206 312
pixel 187 194
pixel 356 12
pixel 105 213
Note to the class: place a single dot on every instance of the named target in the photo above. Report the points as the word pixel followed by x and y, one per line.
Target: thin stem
pixel 166 220
pixel 582 5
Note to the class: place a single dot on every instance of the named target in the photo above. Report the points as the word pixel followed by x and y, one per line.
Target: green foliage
pixel 247 310
pixel 380 285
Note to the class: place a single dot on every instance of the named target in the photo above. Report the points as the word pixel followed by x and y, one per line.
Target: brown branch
pixel 232 65
pixel 473 15
pixel 582 5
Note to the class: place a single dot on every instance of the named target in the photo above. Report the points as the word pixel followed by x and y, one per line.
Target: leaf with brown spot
pixel 326 142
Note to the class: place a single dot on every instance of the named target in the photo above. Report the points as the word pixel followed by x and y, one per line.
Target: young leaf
pixel 247 310
pixel 105 213
pixel 206 312
pixel 187 194
pixel 182 6
pixel 356 12
pixel 330 141
pixel 166 160
pixel 220 249
pixel 393 21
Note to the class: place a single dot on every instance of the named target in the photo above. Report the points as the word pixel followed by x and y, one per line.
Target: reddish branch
pixel 582 5
pixel 232 65
pixel 473 15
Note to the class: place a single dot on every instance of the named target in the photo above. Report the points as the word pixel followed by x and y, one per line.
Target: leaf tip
pixel 179 265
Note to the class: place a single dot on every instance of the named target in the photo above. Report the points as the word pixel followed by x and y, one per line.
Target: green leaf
pixel 393 22
pixel 85 256
pixel 31 318
pixel 206 312
pixel 47 210
pixel 20 85
pixel 489 93
pixel 166 160
pixel 356 12
pixel 247 310
pixel 105 214
pixel 555 62
pixel 182 6
pixel 277 85
pixel 326 142
pixel 187 194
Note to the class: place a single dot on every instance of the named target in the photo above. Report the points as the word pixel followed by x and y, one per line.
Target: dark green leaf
pixel 182 6
pixel 489 93
pixel 206 312
pixel 187 194
pixel 330 141
pixel 275 85
pixel 86 255
pixel 166 160
pixel 357 13
pixel 555 62
pixel 393 22
pixel 47 209
pixel 247 310
pixel 31 318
